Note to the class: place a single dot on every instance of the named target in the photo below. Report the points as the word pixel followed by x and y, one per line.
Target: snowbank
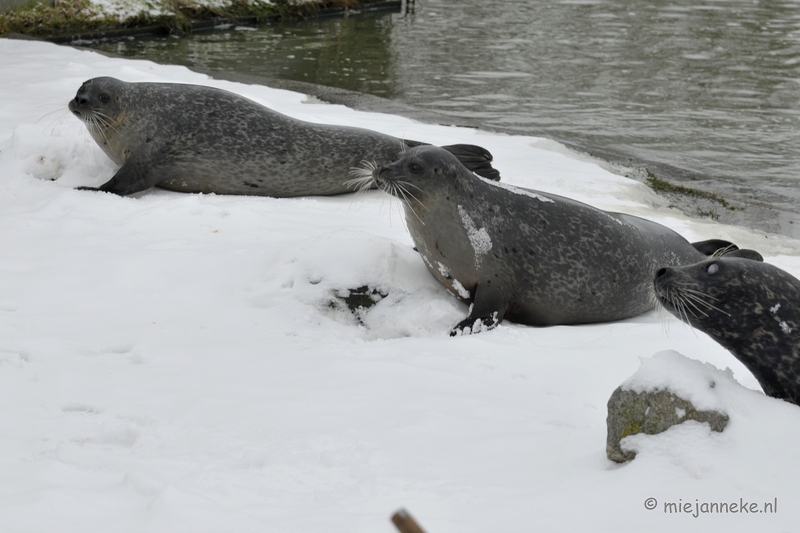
pixel 172 362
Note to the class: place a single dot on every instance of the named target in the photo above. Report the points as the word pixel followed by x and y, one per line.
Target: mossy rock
pixel 630 413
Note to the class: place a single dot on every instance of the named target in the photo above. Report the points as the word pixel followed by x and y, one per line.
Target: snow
pixel 517 190
pixel 479 238
pixel 174 362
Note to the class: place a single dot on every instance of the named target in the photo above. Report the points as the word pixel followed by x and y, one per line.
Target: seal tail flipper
pixel 745 254
pixel 712 246
pixel 719 248
pixel 476 159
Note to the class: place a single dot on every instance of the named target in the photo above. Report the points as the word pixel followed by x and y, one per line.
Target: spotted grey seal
pixel 529 256
pixel 192 138
pixel 748 307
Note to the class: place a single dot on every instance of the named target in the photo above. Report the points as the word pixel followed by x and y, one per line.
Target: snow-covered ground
pixel 173 363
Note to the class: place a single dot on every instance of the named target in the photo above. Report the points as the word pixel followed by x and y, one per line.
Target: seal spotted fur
pixel 191 138
pixel 748 307
pixel 528 256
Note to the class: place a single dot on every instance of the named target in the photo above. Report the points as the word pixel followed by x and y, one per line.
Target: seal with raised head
pixel 748 307
pixel 192 138
pixel 524 255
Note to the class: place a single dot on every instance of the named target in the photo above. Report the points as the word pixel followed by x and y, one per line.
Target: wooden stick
pixel 405 523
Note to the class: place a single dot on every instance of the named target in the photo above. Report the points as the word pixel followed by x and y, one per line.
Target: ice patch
pixel 774 308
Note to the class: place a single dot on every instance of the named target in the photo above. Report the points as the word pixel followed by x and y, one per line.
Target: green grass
pixel 661 186
pixel 73 17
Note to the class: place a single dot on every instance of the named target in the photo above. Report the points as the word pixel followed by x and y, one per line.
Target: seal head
pixel 748 307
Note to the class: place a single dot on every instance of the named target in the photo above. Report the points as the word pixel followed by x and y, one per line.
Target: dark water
pixel 703 92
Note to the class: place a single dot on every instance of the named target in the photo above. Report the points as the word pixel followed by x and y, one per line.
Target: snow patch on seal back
pixel 478 237
pixel 516 190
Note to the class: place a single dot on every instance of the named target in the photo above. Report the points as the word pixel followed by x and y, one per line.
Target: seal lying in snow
pixel 191 138
pixel 750 308
pixel 528 256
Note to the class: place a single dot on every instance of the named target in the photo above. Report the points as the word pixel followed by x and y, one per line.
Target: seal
pixel 528 256
pixel 192 138
pixel 748 307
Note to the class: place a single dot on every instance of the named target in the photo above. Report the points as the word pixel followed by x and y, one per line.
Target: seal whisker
pixel 722 251
pixel 694 298
pixel 400 186
pixel 97 126
pixel 105 120
pixel 363 177
pixel 403 195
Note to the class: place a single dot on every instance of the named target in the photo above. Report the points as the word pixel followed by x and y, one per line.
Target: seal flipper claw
pixel 487 312
pixel 471 325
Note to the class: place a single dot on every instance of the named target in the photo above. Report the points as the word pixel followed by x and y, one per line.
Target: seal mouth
pixel 73 107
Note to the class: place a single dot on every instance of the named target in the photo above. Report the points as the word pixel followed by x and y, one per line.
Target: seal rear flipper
pixel 488 309
pixel 745 254
pixel 475 158
pixel 712 246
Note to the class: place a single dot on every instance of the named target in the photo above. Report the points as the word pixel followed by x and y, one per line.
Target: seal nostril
pixel 660 272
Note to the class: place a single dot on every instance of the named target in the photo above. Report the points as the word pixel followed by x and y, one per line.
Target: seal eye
pixel 104 98
pixel 712 269
pixel 415 168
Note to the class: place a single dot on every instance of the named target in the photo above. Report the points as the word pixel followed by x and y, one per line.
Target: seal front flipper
pixel 488 309
pixel 137 174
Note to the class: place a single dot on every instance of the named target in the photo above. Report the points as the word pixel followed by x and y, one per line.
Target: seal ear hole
pixel 104 98
pixel 712 269
pixel 437 170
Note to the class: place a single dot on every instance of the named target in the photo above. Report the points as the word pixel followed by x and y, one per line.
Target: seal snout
pixel 382 173
pixel 76 103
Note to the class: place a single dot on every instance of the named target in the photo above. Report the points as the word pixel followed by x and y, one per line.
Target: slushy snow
pixel 176 362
